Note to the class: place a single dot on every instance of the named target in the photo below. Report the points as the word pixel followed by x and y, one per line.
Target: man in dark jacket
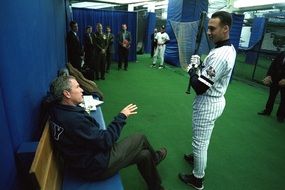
pixel 94 153
pixel 275 79
pixel 124 41
pixel 89 54
pixel 100 52
pixel 109 52
pixel 74 47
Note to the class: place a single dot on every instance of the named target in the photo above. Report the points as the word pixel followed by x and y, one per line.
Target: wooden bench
pixel 47 170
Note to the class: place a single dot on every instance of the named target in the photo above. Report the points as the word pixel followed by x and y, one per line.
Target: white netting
pixel 186 33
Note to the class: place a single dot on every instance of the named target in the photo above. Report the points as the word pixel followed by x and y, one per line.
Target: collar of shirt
pixel 223 43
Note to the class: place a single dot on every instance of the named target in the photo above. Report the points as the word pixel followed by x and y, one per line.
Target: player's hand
pixel 194 62
pixel 267 81
pixel 282 82
pixel 129 110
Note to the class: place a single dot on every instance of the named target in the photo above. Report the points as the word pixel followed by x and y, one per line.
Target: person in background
pixel 161 39
pixel 124 43
pixel 210 81
pixel 89 51
pixel 109 51
pixel 74 47
pixel 275 79
pixel 93 153
pixel 100 52
pixel 153 42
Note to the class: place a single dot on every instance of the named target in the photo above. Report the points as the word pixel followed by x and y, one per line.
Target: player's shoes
pixel 153 65
pixel 189 158
pixel 160 67
pixel 191 180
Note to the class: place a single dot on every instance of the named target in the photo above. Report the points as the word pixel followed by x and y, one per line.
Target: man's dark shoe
pixel 263 113
pixel 189 158
pixel 160 155
pixel 191 180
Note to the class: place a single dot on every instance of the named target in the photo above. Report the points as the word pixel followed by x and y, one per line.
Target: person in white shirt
pixel 161 39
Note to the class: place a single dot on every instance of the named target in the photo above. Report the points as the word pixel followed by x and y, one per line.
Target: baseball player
pixel 210 82
pixel 161 38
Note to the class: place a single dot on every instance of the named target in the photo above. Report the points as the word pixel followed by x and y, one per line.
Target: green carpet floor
pixel 246 150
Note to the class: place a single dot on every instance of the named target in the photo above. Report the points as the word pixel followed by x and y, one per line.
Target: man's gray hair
pixel 58 85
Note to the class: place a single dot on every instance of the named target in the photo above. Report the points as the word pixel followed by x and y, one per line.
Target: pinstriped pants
pixel 205 112
pixel 159 53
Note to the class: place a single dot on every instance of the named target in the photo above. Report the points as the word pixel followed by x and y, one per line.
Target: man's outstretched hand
pixel 130 110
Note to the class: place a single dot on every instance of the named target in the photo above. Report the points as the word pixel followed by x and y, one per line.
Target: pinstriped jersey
pixel 217 69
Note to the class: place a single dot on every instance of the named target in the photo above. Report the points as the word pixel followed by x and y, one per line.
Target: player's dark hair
pixel 225 17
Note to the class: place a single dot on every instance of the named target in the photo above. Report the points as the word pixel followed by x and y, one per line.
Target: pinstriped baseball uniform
pixel 215 73
pixel 160 49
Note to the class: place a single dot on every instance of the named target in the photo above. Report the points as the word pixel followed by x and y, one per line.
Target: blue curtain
pixel 114 19
pixel 7 160
pixel 151 20
pixel 32 44
pixel 256 37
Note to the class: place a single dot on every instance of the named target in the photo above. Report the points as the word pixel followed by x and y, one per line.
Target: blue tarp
pixel 181 11
pixel 236 29
pixel 256 37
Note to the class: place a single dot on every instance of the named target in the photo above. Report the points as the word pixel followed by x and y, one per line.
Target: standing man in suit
pixel 74 47
pixel 109 52
pixel 100 52
pixel 124 39
pixel 275 79
pixel 153 42
pixel 89 52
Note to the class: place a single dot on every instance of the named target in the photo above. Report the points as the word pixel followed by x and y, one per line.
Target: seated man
pixel 93 153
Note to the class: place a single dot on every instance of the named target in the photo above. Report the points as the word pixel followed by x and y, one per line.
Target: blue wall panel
pixel 150 25
pixel 257 33
pixel 32 44
pixel 7 160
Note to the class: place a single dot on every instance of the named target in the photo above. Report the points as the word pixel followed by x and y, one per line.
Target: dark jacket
pixel 88 45
pixel 74 47
pixel 100 42
pixel 110 41
pixel 277 68
pixel 76 135
pixel 128 37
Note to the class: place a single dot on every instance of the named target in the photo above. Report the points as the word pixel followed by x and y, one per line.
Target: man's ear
pixel 226 28
pixel 66 94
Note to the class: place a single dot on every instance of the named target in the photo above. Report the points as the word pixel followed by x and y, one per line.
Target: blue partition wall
pixel 256 37
pixel 115 19
pixel 236 29
pixel 150 25
pixel 32 44
pixel 181 11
